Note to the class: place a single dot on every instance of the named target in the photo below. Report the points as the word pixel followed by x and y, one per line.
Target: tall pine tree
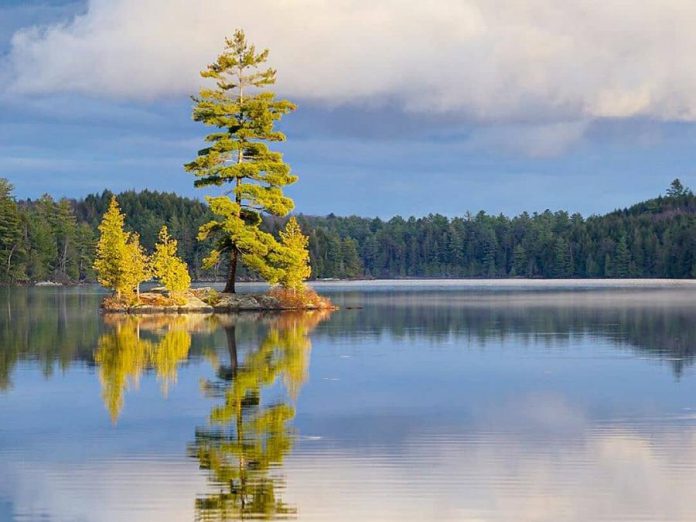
pixel 245 114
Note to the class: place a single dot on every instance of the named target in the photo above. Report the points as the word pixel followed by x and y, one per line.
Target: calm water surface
pixel 449 401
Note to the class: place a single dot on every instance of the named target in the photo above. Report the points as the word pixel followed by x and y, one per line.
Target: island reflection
pixel 248 434
pixel 122 354
pixel 61 327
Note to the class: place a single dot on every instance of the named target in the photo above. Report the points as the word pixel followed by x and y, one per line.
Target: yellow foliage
pixel 167 266
pixel 243 456
pixel 137 266
pixel 120 264
pixel 293 256
pixel 304 298
pixel 122 357
pixel 111 249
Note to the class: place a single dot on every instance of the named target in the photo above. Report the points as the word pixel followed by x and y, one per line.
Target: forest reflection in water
pixel 247 437
pixel 501 405
pixel 58 328
pixel 659 324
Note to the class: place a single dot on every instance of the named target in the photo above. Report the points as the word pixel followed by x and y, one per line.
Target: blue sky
pixel 465 105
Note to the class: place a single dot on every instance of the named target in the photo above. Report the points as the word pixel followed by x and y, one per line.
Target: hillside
pixel 47 239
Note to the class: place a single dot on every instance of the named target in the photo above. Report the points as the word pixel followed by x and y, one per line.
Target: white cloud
pixel 482 60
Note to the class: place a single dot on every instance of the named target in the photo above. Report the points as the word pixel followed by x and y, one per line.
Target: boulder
pixel 194 304
pixel 202 292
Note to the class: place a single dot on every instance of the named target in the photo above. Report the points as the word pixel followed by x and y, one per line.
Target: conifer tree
pixel 111 249
pixel 676 189
pixel 245 114
pixel 623 259
pixel 10 233
pixel 293 256
pixel 121 263
pixel 136 266
pixel 167 266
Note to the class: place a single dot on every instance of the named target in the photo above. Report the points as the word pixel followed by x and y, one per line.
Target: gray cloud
pixel 534 61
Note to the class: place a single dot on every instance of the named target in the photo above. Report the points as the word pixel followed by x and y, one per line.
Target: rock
pixel 194 304
pixel 248 302
pixel 159 290
pixel 268 302
pixel 230 302
pixel 202 292
pixel 47 283
pixel 152 309
pixel 154 303
pixel 244 302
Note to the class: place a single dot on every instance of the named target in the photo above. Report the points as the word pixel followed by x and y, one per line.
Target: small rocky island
pixel 236 154
pixel 207 300
pixel 122 264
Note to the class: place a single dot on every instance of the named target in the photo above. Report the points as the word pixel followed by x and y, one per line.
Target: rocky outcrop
pixel 206 301
pixel 157 305
pixel 245 302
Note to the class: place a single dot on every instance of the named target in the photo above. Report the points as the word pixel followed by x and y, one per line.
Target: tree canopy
pixel 245 113
pixel 167 266
pixel 121 262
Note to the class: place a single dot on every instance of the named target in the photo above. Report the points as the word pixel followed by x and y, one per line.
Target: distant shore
pixel 424 282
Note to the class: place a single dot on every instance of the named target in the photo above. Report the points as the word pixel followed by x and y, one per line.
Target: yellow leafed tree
pixel 137 266
pixel 167 266
pixel 293 256
pixel 121 263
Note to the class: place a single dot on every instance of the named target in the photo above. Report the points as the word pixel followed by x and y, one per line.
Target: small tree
pixel 110 260
pixel 137 266
pixel 167 266
pixel 121 263
pixel 677 189
pixel 293 256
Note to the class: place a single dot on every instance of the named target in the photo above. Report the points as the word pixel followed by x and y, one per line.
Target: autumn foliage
pixel 121 263
pixel 169 269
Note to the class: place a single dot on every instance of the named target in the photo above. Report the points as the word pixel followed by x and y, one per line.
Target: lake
pixel 418 400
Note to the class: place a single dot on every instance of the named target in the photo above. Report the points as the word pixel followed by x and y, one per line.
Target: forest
pixel 54 240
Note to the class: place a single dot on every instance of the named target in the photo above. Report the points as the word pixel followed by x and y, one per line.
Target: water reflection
pixel 659 324
pixel 420 406
pixel 248 435
pixel 122 355
pixel 60 327
pixel 51 327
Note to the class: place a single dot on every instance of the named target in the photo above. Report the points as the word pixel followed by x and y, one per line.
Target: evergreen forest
pixel 54 240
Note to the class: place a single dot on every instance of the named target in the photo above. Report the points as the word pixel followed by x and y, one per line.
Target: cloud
pixel 611 473
pixel 523 61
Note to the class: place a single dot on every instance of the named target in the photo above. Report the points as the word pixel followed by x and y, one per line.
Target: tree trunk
pixel 231 334
pixel 9 260
pixel 228 373
pixel 231 273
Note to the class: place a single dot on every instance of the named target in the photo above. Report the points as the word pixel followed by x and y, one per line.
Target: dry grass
pixel 114 303
pixel 300 299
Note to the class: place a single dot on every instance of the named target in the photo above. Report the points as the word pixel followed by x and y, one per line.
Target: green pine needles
pixel 238 154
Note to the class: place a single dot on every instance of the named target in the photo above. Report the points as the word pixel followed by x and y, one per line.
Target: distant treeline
pixel 47 239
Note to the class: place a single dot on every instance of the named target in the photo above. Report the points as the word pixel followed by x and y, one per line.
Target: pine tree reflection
pixel 248 437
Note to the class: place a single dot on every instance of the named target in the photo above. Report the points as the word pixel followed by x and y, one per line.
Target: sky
pixel 404 107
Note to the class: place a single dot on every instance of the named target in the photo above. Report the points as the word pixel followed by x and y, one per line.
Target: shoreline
pixel 208 301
